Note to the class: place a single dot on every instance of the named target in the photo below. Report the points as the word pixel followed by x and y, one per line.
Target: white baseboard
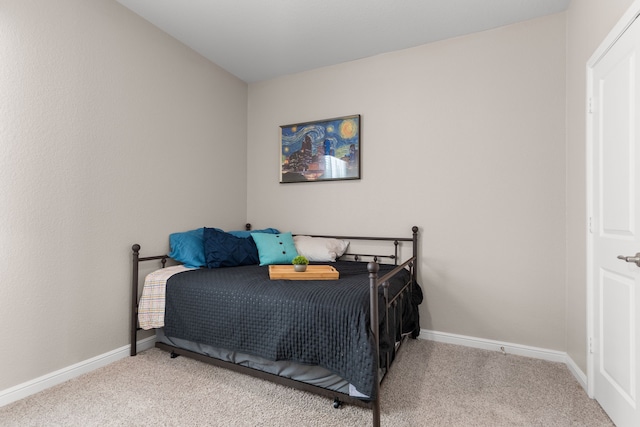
pixel 580 376
pixel 54 378
pixel 44 382
pixel 509 348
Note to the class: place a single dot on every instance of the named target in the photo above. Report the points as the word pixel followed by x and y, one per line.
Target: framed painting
pixel 323 150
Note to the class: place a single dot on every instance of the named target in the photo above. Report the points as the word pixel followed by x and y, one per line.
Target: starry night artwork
pixel 324 150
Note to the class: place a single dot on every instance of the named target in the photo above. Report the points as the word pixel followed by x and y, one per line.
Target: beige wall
pixel 464 138
pixel 111 133
pixel 588 23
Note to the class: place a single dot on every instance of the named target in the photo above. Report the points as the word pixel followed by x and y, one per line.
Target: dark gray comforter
pixel 323 323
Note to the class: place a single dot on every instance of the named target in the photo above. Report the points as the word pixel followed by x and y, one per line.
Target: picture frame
pixel 322 150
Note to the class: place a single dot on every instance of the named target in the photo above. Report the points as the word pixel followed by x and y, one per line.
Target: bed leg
pixel 174 355
pixel 376 413
pixel 336 403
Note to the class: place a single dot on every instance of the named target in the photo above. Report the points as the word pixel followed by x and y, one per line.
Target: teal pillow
pixel 275 248
pixel 188 248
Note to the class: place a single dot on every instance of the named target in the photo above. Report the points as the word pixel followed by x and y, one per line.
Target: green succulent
pixel 300 260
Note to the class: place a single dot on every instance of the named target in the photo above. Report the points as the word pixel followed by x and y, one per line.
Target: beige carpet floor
pixel 431 384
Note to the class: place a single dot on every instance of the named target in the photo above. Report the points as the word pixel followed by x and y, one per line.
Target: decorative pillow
pixel 320 249
pixel 186 247
pixel 275 248
pixel 226 250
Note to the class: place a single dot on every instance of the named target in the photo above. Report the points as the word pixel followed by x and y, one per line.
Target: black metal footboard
pixel 389 329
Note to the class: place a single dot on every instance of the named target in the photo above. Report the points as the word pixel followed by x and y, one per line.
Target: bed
pixel 313 334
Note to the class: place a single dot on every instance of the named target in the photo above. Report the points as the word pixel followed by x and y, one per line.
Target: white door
pixel 614 133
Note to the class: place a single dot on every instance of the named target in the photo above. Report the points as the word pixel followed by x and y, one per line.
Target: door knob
pixel 635 259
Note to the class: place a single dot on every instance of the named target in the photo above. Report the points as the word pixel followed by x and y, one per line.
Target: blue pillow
pixel 187 248
pixel 275 248
pixel 226 250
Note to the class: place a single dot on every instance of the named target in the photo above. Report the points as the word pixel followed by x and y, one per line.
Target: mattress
pixel 314 375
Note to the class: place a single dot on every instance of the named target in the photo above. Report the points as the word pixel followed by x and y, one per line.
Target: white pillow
pixel 320 249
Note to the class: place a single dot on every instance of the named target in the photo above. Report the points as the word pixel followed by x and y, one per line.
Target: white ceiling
pixel 262 39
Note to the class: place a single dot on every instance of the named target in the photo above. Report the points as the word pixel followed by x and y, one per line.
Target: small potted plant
pixel 300 263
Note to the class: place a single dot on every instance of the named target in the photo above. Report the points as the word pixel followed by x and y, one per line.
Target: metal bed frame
pixel 375 282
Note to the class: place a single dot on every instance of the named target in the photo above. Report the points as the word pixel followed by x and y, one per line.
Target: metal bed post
pixel 373 269
pixel 414 229
pixel 134 300
pixel 387 319
pixel 134 292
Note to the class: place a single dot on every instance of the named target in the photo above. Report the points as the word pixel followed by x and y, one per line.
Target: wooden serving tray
pixel 314 272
